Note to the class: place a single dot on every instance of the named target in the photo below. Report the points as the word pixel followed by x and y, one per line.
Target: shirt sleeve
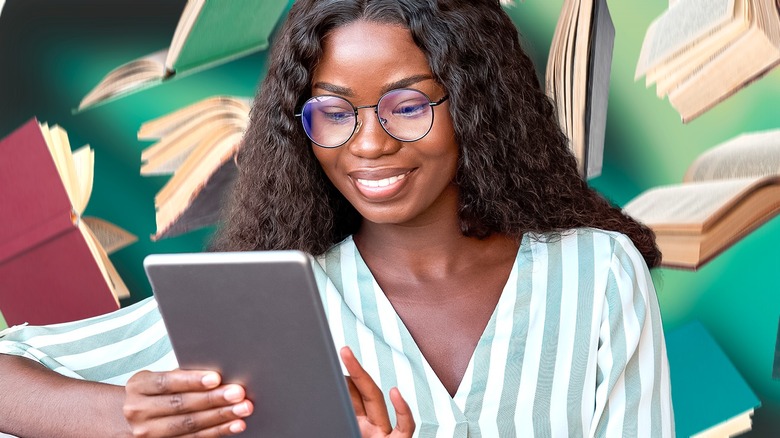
pixel 633 393
pixel 108 348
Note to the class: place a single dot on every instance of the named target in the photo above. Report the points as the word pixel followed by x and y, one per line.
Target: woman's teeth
pixel 381 182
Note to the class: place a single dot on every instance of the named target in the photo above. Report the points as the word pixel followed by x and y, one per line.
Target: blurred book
pixel 699 52
pixel 727 192
pixel 196 145
pixel 776 365
pixel 577 78
pixel 709 396
pixel 54 264
pixel 209 33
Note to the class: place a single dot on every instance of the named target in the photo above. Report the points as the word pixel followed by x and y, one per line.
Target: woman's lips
pixel 379 185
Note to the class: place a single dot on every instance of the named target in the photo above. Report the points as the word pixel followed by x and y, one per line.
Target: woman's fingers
pixel 216 422
pixel 404 421
pixel 184 403
pixel 357 399
pixel 371 396
pixel 173 382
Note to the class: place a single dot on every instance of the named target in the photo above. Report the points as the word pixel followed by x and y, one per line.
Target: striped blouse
pixel 574 347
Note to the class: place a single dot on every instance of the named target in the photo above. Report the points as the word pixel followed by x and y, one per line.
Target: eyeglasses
pixel 405 114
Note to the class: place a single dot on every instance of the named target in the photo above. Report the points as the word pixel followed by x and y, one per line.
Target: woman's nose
pixel 370 140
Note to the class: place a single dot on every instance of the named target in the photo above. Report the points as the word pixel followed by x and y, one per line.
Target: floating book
pixel 577 78
pixel 727 192
pixel 710 397
pixel 196 145
pixel 699 52
pixel 54 264
pixel 209 33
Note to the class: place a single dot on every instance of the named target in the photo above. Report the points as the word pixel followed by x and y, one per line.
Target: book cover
pixel 707 389
pixel 209 33
pixel 48 272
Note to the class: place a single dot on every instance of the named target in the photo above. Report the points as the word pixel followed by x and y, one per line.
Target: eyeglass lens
pixel 330 121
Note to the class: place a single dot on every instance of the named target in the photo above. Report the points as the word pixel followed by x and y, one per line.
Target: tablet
pixel 257 319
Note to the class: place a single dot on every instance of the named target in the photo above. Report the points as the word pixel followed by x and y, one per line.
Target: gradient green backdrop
pixel 53 51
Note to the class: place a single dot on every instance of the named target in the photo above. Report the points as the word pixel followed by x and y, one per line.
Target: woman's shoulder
pixel 586 243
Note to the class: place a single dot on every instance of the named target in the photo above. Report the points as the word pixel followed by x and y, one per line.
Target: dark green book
pixel 209 33
pixel 709 395
pixel 776 365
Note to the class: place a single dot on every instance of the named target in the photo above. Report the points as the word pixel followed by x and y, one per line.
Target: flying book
pixel 699 52
pixel 577 78
pixel 54 264
pixel 209 33
pixel 726 193
pixel 710 397
pixel 197 146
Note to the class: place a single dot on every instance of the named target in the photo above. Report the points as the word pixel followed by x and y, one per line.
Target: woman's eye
pixel 337 116
pixel 410 109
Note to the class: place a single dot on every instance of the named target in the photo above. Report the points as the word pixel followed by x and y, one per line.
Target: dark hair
pixel 515 172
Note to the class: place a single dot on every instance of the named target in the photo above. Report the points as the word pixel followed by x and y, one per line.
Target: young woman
pixel 484 288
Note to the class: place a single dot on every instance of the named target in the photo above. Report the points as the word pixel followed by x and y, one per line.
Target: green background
pixel 52 52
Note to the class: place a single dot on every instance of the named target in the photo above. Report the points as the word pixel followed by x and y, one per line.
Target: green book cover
pixel 228 29
pixel 707 389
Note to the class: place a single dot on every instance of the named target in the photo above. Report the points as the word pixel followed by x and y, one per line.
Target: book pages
pixel 686 207
pixel 747 155
pixel 680 26
pixel 111 237
pixel 83 166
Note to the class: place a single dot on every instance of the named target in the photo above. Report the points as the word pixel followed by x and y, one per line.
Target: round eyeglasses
pixel 405 114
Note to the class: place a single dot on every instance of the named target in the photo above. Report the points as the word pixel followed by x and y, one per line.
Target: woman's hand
pixel 184 403
pixel 369 403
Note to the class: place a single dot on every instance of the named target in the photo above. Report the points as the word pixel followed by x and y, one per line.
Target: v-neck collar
pixel 479 357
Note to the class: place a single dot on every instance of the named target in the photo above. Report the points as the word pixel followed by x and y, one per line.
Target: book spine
pixel 27 241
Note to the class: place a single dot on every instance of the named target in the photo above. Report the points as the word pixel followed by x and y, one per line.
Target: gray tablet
pixel 257 319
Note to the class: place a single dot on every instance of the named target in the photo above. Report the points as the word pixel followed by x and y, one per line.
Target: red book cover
pixel 47 271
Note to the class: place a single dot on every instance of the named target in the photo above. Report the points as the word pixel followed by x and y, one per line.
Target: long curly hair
pixel 515 173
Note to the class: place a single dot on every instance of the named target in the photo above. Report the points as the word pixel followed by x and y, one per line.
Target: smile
pixel 381 182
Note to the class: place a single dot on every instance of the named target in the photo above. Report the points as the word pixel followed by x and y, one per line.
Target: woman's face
pixel 388 181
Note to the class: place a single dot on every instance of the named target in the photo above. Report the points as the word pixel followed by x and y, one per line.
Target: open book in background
pixel 577 78
pixel 209 32
pixel 710 397
pixel 54 264
pixel 699 52
pixel 727 192
pixel 196 144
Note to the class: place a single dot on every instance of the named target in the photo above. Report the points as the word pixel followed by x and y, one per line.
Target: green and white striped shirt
pixel 574 347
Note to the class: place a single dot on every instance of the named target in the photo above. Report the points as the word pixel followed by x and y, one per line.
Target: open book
pixel 577 78
pixel 209 32
pixel 726 193
pixel 54 264
pixel 710 397
pixel 699 52
pixel 196 145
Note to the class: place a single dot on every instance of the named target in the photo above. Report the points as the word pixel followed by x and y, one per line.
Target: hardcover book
pixel 727 192
pixel 709 396
pixel 196 145
pixel 209 33
pixel 577 78
pixel 54 264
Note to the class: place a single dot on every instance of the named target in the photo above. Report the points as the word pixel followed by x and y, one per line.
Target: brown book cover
pixel 48 272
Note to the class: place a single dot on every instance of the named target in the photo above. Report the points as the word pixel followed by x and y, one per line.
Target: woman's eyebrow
pixel 346 91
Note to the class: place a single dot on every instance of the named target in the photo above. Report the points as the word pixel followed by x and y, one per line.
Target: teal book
pixel 710 397
pixel 209 33
pixel 776 365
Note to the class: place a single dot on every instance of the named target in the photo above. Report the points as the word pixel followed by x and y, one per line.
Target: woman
pixel 408 145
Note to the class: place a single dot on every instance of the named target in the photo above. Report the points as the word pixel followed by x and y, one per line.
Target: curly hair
pixel 515 173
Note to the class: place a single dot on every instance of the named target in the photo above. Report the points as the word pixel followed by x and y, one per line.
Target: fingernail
pixel 233 394
pixel 237 427
pixel 241 409
pixel 210 379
